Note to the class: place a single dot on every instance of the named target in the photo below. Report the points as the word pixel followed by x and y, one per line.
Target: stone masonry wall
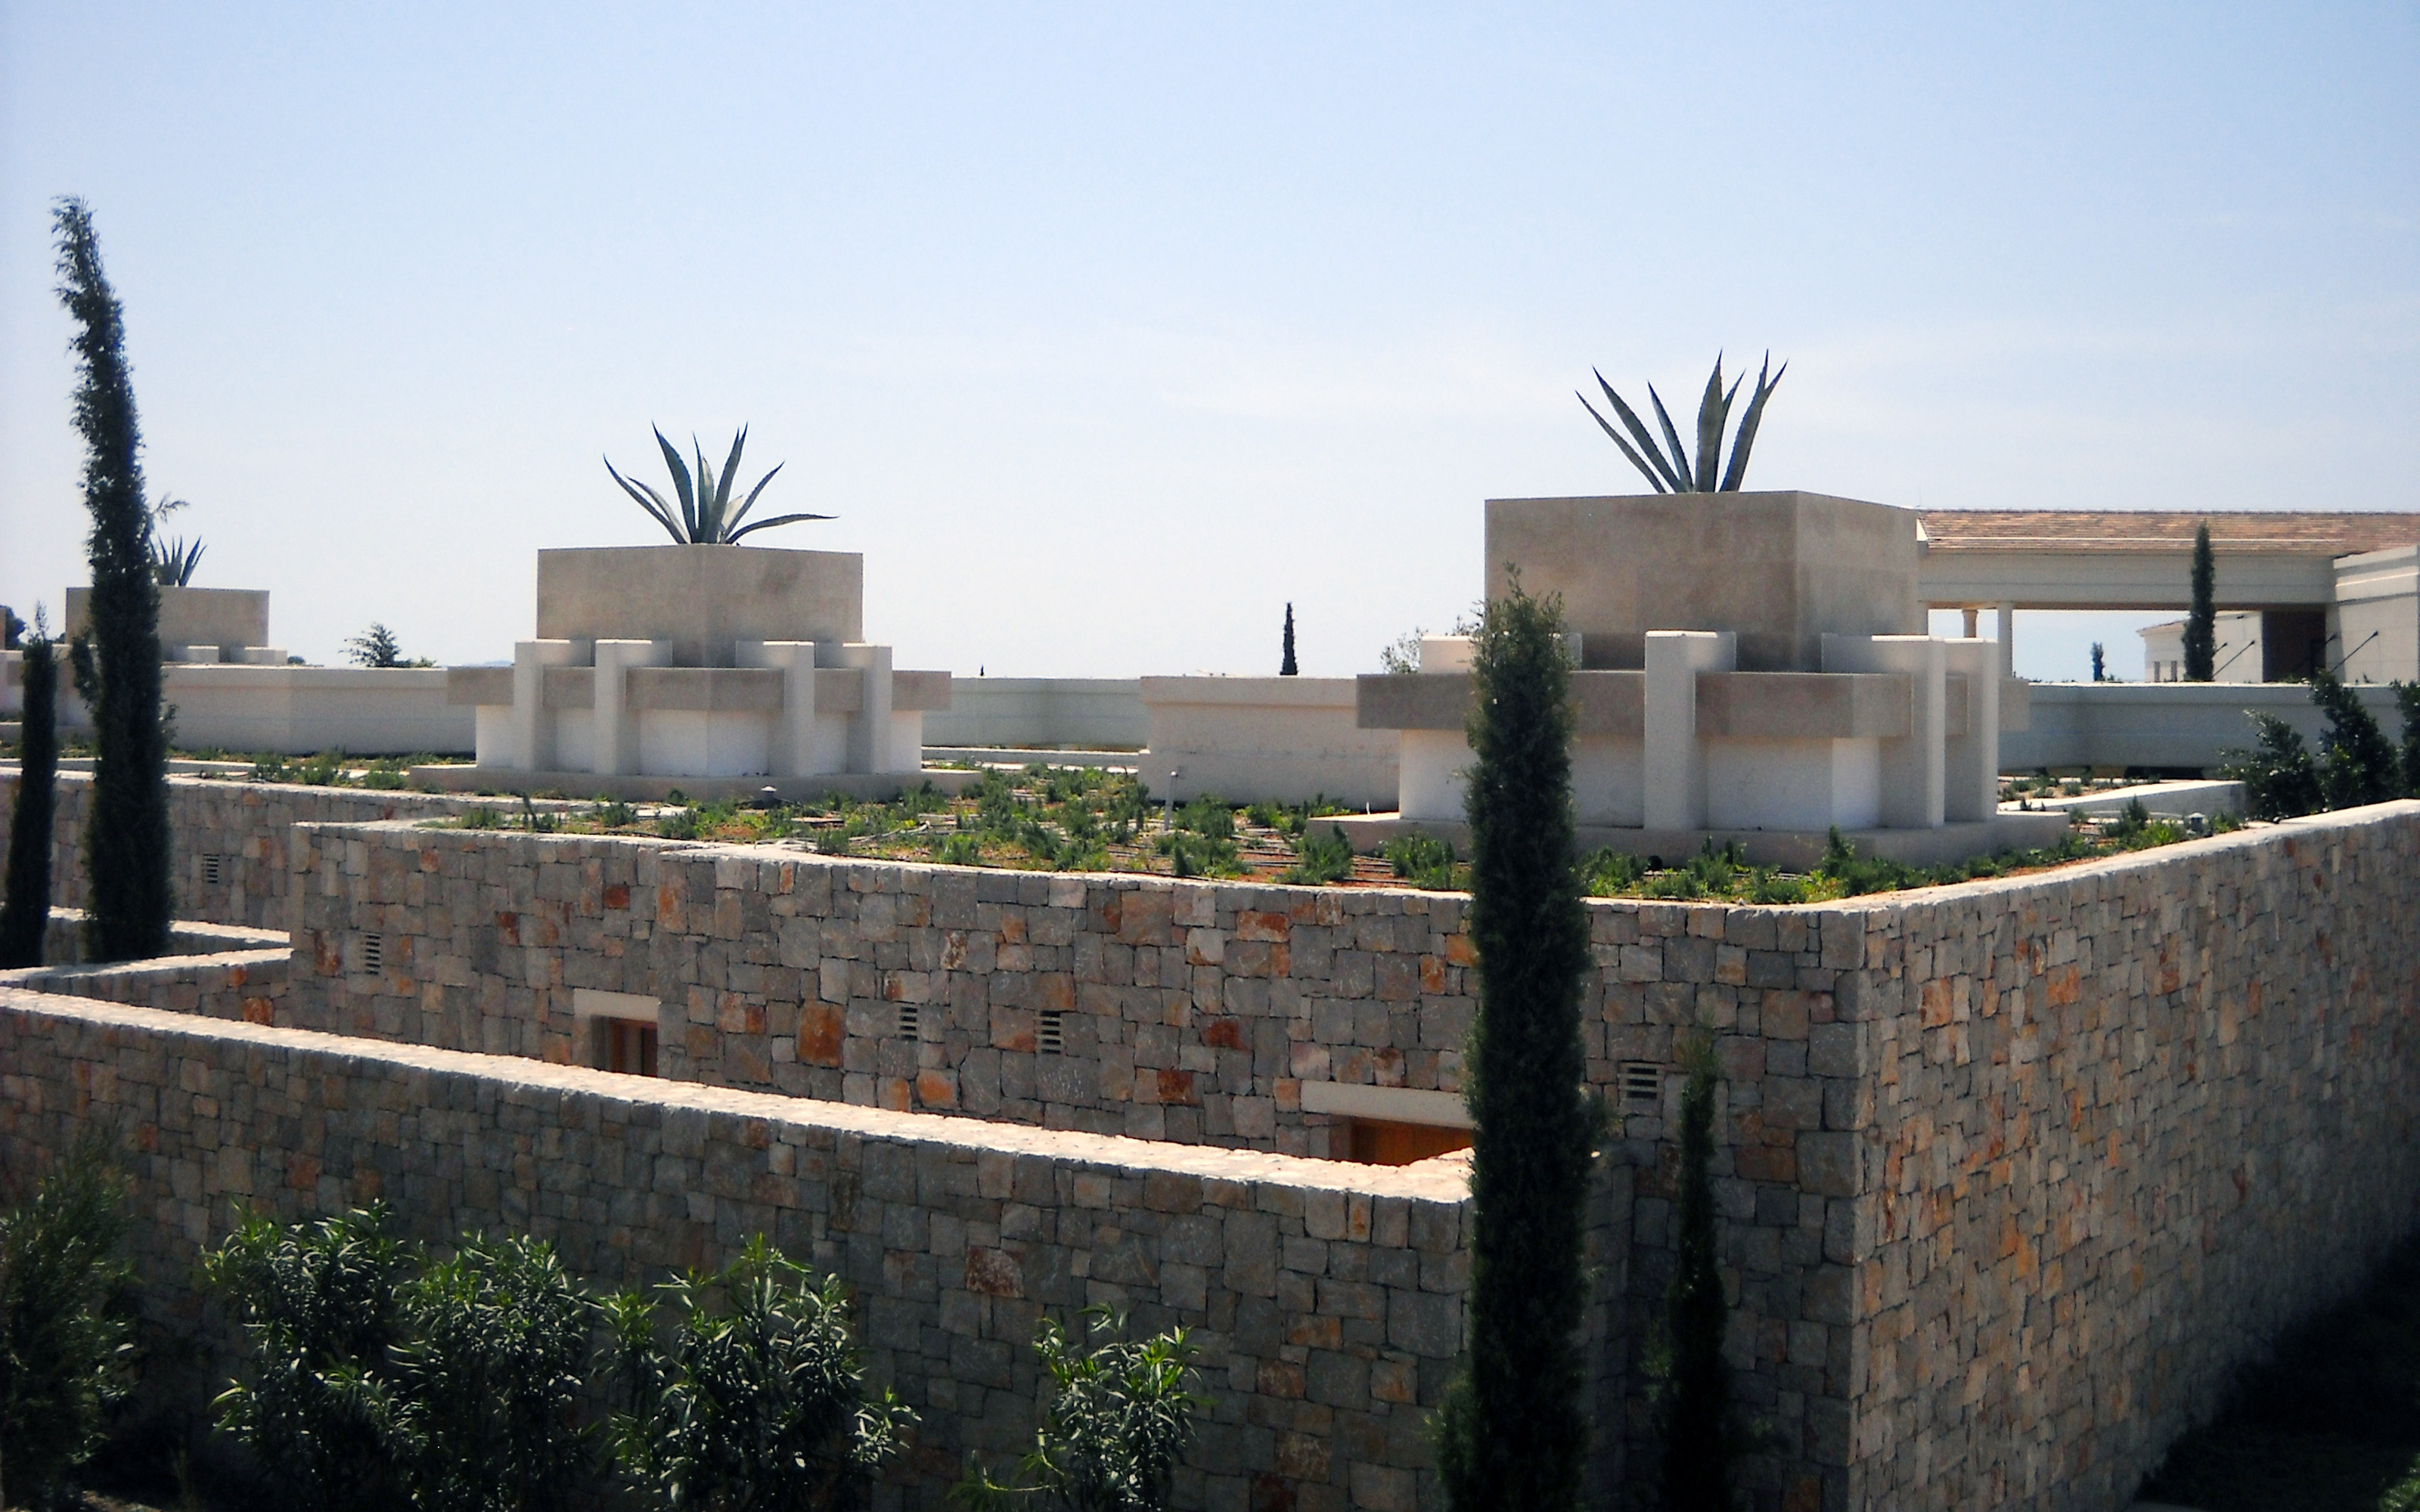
pixel 2014 1173
pixel 2126 1122
pixel 242 825
pixel 1325 1298
pixel 245 984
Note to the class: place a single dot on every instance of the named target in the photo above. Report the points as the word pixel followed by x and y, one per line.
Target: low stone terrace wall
pixel 2015 1174
pixel 1325 1298
pixel 230 837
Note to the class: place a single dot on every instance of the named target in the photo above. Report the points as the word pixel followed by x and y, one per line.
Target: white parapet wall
pixel 296 711
pixel 2174 726
pixel 2378 613
pixel 1280 739
pixel 1043 714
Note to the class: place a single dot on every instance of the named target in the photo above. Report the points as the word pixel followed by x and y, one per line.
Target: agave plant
pixel 705 516
pixel 1674 473
pixel 173 565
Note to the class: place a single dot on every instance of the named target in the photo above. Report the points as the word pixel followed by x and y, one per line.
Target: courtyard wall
pixel 1326 1299
pixel 2015 1174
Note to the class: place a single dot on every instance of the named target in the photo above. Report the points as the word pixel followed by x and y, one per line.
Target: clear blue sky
pixel 1110 330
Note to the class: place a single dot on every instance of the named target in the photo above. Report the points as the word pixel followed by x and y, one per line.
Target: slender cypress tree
pixel 118 659
pixel 1696 1401
pixel 2201 621
pixel 1512 1434
pixel 2100 664
pixel 2407 703
pixel 25 916
pixel 1286 667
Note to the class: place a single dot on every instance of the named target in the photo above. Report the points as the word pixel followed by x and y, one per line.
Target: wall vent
pixel 211 871
pixel 1050 1032
pixel 1642 1081
pixel 373 953
pixel 912 1020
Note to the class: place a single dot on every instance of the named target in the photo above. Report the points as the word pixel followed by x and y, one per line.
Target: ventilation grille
pixel 1642 1081
pixel 1050 1032
pixel 373 953
pixel 912 1020
pixel 211 871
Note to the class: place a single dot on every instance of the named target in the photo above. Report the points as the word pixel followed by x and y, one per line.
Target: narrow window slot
pixel 630 1046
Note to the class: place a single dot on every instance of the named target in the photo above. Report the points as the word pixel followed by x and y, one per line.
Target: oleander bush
pixel 65 1330
pixel 752 1396
pixel 1117 1425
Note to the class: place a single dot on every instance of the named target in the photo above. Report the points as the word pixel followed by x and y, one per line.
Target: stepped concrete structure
pixel 1748 666
pixel 715 670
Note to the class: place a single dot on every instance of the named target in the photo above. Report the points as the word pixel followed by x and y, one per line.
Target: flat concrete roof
pixel 2296 532
pixel 2083 559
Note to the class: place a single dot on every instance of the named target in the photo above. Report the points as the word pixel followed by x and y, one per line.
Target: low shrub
pixel 65 1343
pixel 1116 1426
pixel 480 817
pixel 757 1396
pixel 678 824
pixel 318 1303
pixel 1321 859
pixel 488 1378
pixel 1423 860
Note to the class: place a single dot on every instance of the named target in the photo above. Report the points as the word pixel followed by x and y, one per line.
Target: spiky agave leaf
pixel 1746 437
pixel 749 503
pixel 1639 428
pixel 1713 410
pixel 650 501
pixel 723 522
pixel 681 486
pixel 1672 433
pixel 709 507
pixel 778 519
pixel 1655 480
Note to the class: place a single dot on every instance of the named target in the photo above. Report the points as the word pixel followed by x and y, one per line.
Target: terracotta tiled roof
pixel 2164 529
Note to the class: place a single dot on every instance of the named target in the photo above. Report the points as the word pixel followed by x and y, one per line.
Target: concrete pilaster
pixel 533 731
pixel 1675 758
pixel 793 745
pixel 1971 762
pixel 869 735
pixel 1911 767
pixel 615 748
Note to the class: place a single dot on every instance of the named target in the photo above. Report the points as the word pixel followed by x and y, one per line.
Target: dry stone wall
pixel 1325 1298
pixel 2014 1173
pixel 228 838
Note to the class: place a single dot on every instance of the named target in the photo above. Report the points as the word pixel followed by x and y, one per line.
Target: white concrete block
pixel 1673 760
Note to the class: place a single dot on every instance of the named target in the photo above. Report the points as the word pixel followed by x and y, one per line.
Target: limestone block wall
pixel 229 841
pixel 1325 1298
pixel 2014 1174
pixel 1189 1012
pixel 2125 1123
pixel 245 984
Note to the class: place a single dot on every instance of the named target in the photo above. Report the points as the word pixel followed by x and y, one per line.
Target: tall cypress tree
pixel 26 915
pixel 2201 621
pixel 1512 1434
pixel 118 659
pixel 1286 667
pixel 1695 1404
